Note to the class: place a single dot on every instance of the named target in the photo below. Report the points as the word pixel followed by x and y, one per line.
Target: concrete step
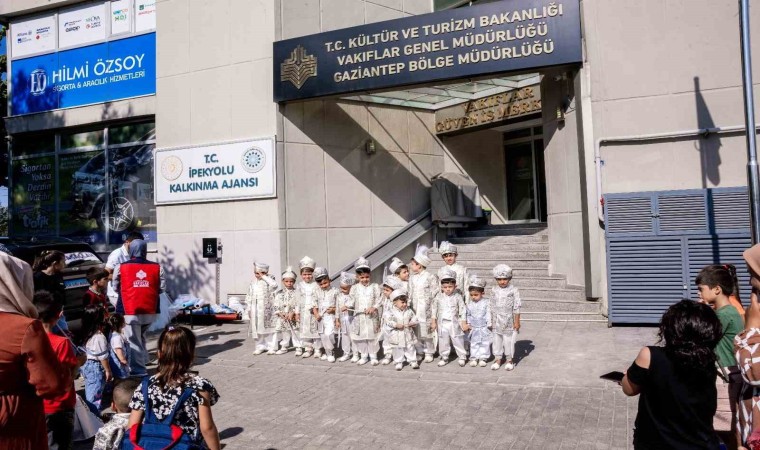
pixel 549 316
pixel 518 273
pixel 499 239
pixel 500 246
pixel 530 305
pixel 501 256
pixel 552 293
pixel 485 232
pixel 488 264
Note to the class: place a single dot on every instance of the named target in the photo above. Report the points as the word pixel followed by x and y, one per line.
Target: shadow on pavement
pixel 523 349
pixel 230 432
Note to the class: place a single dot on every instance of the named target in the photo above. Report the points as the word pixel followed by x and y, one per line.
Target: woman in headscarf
pixel 29 369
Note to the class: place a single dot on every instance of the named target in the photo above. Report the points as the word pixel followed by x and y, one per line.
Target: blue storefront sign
pixel 98 73
pixel 500 37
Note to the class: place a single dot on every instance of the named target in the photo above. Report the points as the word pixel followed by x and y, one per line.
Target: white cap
pixel 447 247
pixel 396 264
pixel 307 263
pixel 261 267
pixel 320 272
pixel 289 274
pixel 445 273
pixel 347 279
pixel 421 256
pixel 476 282
pixel 502 271
pixel 393 282
pixel 398 293
pixel 361 263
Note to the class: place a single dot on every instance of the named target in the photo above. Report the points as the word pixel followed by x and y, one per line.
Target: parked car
pixel 80 257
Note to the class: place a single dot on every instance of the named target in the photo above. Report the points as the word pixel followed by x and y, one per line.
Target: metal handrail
pixel 384 251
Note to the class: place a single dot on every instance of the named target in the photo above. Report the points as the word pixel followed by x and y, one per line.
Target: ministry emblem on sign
pixel 253 160
pixel 171 168
pixel 299 67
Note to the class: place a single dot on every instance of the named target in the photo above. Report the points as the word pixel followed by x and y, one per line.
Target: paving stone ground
pixel 553 399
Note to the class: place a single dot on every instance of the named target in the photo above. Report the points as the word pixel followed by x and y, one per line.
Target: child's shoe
pixel 355 358
pixel 374 362
pixel 386 360
pixel 399 366
pixel 364 360
pixel 462 362
pixel 474 363
pixel 299 351
pixel 307 353
pixel 496 365
pixel 509 365
pixel 331 359
pixel 344 358
pixel 443 362
pixel 258 351
pixel 324 357
pixel 318 354
pixel 415 365
pixel 428 358
pixel 281 351
pixel 482 363
pixel 271 352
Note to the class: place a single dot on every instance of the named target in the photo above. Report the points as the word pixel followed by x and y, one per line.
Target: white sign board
pixel 32 36
pixel 83 25
pixel 145 15
pixel 121 16
pixel 226 171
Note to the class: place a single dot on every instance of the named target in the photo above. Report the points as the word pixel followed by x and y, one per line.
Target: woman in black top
pixel 47 277
pixel 676 382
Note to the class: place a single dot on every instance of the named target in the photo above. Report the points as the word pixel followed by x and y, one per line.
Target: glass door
pixel 526 182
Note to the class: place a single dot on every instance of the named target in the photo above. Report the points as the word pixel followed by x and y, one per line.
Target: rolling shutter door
pixel 652 262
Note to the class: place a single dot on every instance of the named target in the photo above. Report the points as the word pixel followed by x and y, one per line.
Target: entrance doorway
pixel 526 178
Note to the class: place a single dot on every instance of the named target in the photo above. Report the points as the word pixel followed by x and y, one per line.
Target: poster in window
pixel 32 36
pixel 82 195
pixel 82 25
pixel 145 15
pixel 121 16
pixel 131 203
pixel 34 197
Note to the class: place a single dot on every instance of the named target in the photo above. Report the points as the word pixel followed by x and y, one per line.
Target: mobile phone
pixel 615 376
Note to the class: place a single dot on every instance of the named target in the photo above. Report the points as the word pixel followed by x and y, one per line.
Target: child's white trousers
pixel 480 350
pixel 266 341
pixel 446 339
pixel 328 342
pixel 426 346
pixel 367 348
pixel 401 353
pixel 504 344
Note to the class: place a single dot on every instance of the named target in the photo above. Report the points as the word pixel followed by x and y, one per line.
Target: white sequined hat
pixel 361 263
pixel 502 271
pixel 447 247
pixel 307 263
pixel 320 272
pixel 393 282
pixel 446 274
pixel 421 256
pixel 398 293
pixel 347 279
pixel 396 264
pixel 261 267
pixel 289 274
pixel 476 282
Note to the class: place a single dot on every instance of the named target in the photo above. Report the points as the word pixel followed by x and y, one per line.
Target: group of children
pixel 404 315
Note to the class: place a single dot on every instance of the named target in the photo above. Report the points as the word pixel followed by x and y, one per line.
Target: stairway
pixel 525 248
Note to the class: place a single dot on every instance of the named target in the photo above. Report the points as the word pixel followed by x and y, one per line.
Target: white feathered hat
pixel 361 263
pixel 502 271
pixel 393 282
pixel 289 274
pixel 447 247
pixel 306 263
pixel 396 264
pixel 320 272
pixel 347 279
pixel 445 273
pixel 398 293
pixel 476 282
pixel 421 256
pixel 261 267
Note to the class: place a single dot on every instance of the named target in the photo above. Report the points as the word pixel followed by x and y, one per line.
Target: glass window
pixel 131 200
pixel 32 144
pixel 133 132
pixel 34 200
pixel 82 139
pixel 81 195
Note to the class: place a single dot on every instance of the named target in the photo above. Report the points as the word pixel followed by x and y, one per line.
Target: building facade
pixel 650 112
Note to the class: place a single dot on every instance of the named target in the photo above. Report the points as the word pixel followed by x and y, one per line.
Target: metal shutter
pixel 647 272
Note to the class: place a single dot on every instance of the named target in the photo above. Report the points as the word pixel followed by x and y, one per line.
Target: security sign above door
pixel 506 36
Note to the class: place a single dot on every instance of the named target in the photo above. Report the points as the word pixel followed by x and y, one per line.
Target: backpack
pixel 154 434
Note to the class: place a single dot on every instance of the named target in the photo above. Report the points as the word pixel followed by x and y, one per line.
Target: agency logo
pixel 253 160
pixel 299 67
pixel 37 82
pixel 141 282
pixel 171 168
pixel 141 275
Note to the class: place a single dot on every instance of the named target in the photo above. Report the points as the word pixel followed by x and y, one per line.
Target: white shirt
pixel 97 347
pixel 115 259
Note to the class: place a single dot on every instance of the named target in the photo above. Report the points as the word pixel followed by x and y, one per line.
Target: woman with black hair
pixel 676 382
pixel 47 268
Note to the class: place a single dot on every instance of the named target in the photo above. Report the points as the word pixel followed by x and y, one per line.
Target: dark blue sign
pixel 99 73
pixel 506 36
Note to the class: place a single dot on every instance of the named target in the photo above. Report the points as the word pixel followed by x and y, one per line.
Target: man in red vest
pixel 139 283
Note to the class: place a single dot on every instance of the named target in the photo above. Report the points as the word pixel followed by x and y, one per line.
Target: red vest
pixel 140 287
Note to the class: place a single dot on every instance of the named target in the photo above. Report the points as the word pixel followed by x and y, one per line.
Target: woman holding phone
pixel 676 382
